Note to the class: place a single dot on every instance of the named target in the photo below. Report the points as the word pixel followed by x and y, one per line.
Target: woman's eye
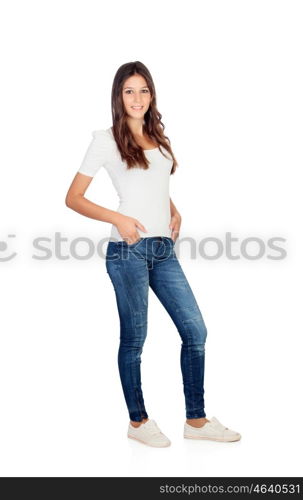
pixel 128 91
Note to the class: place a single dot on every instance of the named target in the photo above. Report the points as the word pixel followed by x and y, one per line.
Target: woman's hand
pixel 127 227
pixel 175 224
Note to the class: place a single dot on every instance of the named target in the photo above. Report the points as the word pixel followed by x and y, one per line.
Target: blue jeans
pixel 132 269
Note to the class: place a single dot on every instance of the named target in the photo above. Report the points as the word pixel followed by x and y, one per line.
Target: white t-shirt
pixel 143 194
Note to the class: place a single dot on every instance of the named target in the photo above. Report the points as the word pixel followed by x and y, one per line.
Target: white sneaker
pixel 211 430
pixel 148 433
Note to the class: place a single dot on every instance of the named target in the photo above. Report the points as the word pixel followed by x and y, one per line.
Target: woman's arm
pixel 76 201
pixel 173 210
pixel 175 221
pixel 126 226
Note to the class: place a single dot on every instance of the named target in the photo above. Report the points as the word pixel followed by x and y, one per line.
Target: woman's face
pixel 136 96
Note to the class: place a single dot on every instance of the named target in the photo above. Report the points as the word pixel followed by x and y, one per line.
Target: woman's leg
pixel 170 284
pixel 129 277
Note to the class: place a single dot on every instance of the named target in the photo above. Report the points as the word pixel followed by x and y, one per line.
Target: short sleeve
pixel 96 153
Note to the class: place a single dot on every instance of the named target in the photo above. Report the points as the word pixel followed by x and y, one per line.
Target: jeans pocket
pixel 133 244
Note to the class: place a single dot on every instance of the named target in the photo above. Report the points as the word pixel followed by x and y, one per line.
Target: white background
pixel 228 76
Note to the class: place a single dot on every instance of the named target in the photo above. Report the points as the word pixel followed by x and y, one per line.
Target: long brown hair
pixel 130 151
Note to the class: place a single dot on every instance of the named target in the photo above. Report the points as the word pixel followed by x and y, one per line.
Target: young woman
pixel 140 254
